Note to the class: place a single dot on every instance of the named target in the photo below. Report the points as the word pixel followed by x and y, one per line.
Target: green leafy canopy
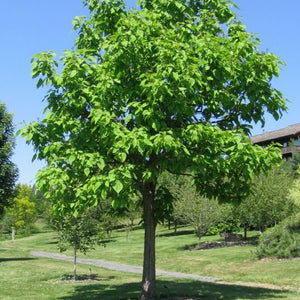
pixel 172 86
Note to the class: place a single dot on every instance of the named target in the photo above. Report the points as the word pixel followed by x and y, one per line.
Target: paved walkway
pixel 121 267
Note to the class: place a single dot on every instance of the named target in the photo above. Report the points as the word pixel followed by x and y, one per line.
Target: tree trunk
pixel 262 228
pixel 75 263
pixel 148 281
pixel 245 232
pixel 131 223
pixel 13 234
pixel 199 234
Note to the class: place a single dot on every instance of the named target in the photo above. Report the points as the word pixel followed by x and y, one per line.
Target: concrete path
pixel 121 267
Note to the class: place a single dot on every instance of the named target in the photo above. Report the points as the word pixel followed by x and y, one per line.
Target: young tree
pixel 8 170
pixel 172 86
pixel 133 212
pixel 268 204
pixel 201 213
pixel 81 232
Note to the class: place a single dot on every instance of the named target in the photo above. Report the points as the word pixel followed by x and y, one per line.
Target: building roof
pixel 287 132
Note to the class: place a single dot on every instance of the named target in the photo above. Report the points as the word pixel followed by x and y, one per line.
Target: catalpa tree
pixel 171 86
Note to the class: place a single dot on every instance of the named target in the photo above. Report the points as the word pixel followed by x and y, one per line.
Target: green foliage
pixel 191 208
pixel 22 213
pixel 268 203
pixel 8 170
pixel 188 207
pixel 292 163
pixel 294 193
pixel 133 212
pixel 229 220
pixel 82 232
pixel 230 225
pixel 164 87
pixel 163 204
pixel 6 223
pixel 106 216
pixel 42 204
pixel 281 241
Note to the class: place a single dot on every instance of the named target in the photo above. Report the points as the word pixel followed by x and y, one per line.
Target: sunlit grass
pixel 25 277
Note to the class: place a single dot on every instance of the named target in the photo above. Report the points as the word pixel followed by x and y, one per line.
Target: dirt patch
pixel 214 245
pixel 267 259
pixel 67 278
pixel 74 281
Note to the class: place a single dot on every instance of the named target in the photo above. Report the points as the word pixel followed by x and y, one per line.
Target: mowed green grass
pixel 25 277
pixel 229 264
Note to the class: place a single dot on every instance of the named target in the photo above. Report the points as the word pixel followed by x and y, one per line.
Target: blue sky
pixel 31 26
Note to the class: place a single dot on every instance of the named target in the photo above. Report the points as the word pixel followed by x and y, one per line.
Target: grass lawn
pixel 25 277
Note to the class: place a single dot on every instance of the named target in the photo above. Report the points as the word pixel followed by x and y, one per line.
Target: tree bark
pixel 13 234
pixel 75 263
pixel 245 232
pixel 148 281
pixel 199 234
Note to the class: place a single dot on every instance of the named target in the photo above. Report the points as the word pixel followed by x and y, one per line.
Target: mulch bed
pixel 66 278
pixel 213 245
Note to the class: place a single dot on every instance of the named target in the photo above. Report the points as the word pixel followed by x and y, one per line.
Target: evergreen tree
pixel 8 170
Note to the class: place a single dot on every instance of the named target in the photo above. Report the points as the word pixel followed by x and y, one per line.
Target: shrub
pixel 281 241
pixel 229 226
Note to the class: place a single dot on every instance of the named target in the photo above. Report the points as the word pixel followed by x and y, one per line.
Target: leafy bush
pixel 281 241
pixel 229 226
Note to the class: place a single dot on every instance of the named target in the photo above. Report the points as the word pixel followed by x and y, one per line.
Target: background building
pixel 285 137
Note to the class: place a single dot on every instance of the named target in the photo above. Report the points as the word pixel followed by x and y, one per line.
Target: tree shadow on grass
pixel 169 290
pixel 178 233
pixel 15 259
pixel 53 243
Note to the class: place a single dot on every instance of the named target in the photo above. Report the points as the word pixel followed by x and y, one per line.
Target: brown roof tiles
pixel 291 131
